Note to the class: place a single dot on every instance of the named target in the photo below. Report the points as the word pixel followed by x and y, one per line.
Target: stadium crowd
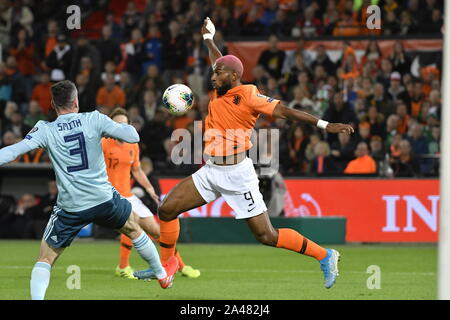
pixel 153 44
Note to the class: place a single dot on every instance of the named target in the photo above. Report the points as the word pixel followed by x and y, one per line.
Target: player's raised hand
pixel 208 29
pixel 339 127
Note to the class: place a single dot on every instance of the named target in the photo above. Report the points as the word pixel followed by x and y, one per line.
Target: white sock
pixel 40 278
pixel 149 253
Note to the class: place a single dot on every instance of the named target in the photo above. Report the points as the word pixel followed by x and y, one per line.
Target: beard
pixel 223 89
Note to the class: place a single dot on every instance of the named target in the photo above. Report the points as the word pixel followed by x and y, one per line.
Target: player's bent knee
pixel 167 212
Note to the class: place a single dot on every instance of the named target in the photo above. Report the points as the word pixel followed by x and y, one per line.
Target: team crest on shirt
pixel 269 99
pixel 236 99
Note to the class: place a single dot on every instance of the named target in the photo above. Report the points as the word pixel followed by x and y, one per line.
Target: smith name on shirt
pixel 69 125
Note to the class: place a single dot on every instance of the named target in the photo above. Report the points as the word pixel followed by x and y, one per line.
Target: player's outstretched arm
pixel 208 31
pixel 10 153
pixel 284 112
pixel 120 131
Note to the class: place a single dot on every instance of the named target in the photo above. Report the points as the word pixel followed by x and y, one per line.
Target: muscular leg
pixel 40 275
pixel 152 228
pixel 143 244
pixel 290 239
pixel 183 197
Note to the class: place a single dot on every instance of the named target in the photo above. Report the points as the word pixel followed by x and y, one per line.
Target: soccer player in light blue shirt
pixel 73 142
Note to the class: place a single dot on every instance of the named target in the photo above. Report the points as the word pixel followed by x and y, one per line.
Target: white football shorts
pixel 238 184
pixel 139 207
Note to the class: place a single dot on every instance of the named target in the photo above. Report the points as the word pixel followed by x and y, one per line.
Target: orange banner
pixel 249 51
pixel 376 210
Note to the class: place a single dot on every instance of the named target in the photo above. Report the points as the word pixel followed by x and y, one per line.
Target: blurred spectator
pixel 363 134
pixel 130 20
pixel 377 149
pixel 395 89
pixel 434 140
pixel 154 137
pixel 116 28
pixel 197 59
pixel 19 219
pixel 346 26
pixel 406 164
pixel 149 105
pixel 381 100
pixel 34 114
pixel 19 16
pixel 272 59
pixel 21 88
pixel 384 76
pixel 342 151
pixel 297 146
pixel 152 48
pixel 87 60
pixel 281 27
pixel 323 164
pixel 309 25
pixel 373 53
pixel 435 25
pixel 8 139
pixel 174 46
pixel 399 59
pixel 6 85
pixel 40 217
pixel 107 47
pixel 22 48
pixel 419 143
pixel 136 54
pixel 364 163
pixel 17 126
pixel 41 93
pixel 60 59
pixel 48 41
pixel 403 117
pixel 339 111
pixel 110 95
pixel 376 121
pixel 250 24
pixel 300 101
pixel 86 93
pixel 324 60
pixel 407 25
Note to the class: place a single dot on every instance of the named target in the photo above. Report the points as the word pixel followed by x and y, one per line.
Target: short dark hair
pixel 63 93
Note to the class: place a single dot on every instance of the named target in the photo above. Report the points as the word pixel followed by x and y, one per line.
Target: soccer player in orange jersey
pixel 121 160
pixel 230 173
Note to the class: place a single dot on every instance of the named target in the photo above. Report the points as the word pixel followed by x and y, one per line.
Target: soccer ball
pixel 178 99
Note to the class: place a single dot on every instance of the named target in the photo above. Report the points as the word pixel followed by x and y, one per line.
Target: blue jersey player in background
pixel 73 142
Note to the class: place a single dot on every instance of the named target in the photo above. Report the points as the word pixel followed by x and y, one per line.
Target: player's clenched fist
pixel 208 29
pixel 339 127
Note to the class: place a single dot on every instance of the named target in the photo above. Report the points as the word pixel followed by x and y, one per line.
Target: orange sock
pixel 181 263
pixel 125 250
pixel 292 240
pixel 169 231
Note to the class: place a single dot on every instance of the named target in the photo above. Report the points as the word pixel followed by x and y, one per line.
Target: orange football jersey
pixel 232 117
pixel 120 158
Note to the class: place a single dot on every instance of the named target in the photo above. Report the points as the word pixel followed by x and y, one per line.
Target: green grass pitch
pixel 229 272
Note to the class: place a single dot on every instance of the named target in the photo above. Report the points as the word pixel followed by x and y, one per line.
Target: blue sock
pixel 40 278
pixel 149 253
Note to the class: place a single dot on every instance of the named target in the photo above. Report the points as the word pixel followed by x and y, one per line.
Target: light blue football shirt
pixel 73 142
